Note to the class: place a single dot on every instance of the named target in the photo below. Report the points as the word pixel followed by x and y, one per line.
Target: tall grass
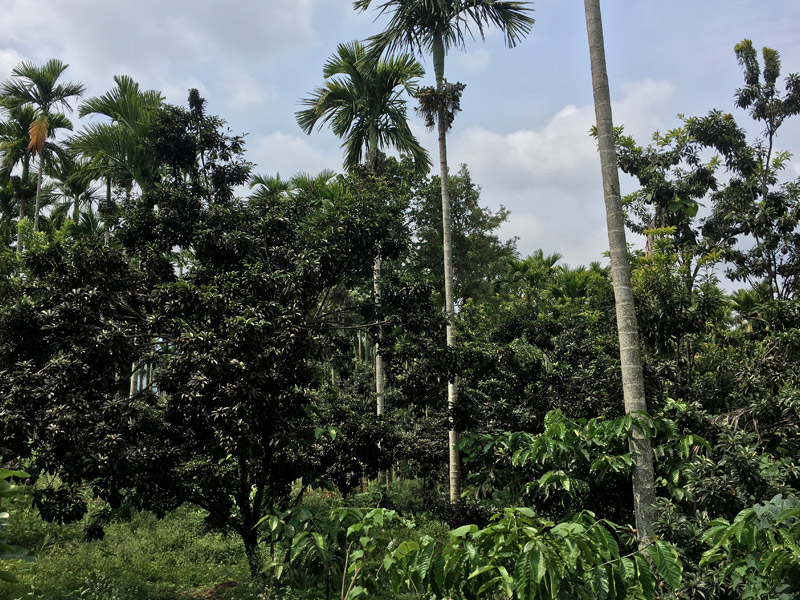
pixel 140 558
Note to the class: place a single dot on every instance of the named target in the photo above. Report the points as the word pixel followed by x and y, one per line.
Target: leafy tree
pixel 234 345
pixel 479 257
pixel 754 204
pixel 759 549
pixel 630 358
pixel 37 87
pixel 434 27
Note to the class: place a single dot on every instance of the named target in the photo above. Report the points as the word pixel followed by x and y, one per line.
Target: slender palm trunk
pixel 107 232
pixel 630 357
pixel 447 247
pixel 23 196
pixel 134 380
pixel 38 192
pixel 380 372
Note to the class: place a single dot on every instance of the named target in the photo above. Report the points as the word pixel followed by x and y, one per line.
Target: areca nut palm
pixel 39 87
pixel 116 148
pixel 627 326
pixel 362 101
pixel 16 148
pixel 434 27
pixel 73 183
pixel 14 142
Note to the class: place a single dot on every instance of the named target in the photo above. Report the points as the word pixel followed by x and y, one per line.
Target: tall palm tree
pixel 116 148
pixel 38 87
pixel 15 149
pixel 433 27
pixel 630 354
pixel 362 101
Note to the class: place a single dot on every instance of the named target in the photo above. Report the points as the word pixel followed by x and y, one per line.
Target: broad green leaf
pixel 356 592
pixel 667 562
pixel 644 576
pixel 480 571
pixel 6 576
pixel 463 530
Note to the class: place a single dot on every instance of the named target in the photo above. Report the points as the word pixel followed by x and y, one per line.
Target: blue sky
pixel 526 113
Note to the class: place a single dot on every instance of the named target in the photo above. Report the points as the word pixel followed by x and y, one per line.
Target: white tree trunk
pixel 38 192
pixel 449 305
pixel 380 372
pixel 630 356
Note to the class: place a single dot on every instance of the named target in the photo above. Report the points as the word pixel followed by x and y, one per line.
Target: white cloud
pixel 473 61
pixel 279 152
pixel 8 60
pixel 151 39
pixel 550 178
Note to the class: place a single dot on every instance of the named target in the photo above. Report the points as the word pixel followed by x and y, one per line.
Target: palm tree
pixel 433 27
pixel 37 87
pixel 630 354
pixel 72 177
pixel 362 102
pixel 117 147
pixel 268 188
pixel 8 193
pixel 15 149
pixel 14 141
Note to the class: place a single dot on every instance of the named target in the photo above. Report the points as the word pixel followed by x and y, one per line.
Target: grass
pixel 140 558
pixel 175 558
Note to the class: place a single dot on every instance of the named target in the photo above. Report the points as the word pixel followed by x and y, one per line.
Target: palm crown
pixel 117 147
pixel 362 103
pixel 435 26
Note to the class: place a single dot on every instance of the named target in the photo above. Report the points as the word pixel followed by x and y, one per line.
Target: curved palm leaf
pixel 38 86
pixel 362 103
pixel 116 148
pixel 435 26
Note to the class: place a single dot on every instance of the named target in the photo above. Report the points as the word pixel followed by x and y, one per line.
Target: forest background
pixel 166 343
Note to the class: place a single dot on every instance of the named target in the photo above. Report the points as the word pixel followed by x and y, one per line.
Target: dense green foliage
pixel 188 375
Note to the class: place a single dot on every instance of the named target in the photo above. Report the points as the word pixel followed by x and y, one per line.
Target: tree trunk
pixel 253 552
pixel 23 197
pixel 447 247
pixel 134 386
pixel 380 373
pixel 19 192
pixel 449 306
pixel 630 357
pixel 38 192
pixel 107 232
